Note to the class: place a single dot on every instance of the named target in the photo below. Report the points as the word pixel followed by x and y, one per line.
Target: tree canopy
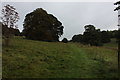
pixel 91 35
pixel 5 31
pixel 65 40
pixel 10 16
pixel 94 36
pixel 39 25
pixel 9 19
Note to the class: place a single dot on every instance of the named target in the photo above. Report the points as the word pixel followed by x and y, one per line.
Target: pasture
pixel 36 59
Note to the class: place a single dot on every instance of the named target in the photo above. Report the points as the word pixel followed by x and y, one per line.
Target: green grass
pixel 112 45
pixel 36 59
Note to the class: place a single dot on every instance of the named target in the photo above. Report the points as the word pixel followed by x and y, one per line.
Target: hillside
pixel 36 59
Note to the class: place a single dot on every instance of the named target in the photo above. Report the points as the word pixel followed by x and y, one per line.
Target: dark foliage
pixel 9 19
pixel 94 36
pixel 77 38
pixel 105 36
pixel 10 16
pixel 39 25
pixel 13 31
pixel 65 40
pixel 117 35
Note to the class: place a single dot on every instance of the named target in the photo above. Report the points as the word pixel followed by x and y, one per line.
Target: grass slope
pixel 36 59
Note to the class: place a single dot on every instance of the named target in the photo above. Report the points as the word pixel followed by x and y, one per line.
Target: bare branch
pixel 10 16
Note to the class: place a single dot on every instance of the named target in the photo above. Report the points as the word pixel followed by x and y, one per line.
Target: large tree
pixel 10 16
pixel 105 36
pixel 77 38
pixel 9 19
pixel 92 36
pixel 39 25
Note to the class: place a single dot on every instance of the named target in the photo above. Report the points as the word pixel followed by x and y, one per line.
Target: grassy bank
pixel 35 59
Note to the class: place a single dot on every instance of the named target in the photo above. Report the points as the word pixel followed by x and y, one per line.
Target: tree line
pixel 39 25
pixel 93 36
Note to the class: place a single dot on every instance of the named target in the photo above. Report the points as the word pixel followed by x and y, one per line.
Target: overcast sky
pixel 73 15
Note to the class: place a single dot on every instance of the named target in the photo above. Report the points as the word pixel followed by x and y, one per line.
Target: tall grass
pixel 37 59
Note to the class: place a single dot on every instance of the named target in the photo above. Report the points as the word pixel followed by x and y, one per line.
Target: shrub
pixel 65 40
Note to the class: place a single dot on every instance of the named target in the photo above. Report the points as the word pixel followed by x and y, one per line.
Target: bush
pixel 65 40
pixel 77 38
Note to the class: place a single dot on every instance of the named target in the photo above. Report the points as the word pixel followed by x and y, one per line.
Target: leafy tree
pixel 39 25
pixel 77 38
pixel 114 33
pixel 89 28
pixel 117 36
pixel 65 40
pixel 92 36
pixel 105 36
pixel 9 19
pixel 5 31
pixel 16 32
pixel 10 16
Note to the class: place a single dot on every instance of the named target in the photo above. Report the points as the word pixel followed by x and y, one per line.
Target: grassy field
pixel 112 44
pixel 36 59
